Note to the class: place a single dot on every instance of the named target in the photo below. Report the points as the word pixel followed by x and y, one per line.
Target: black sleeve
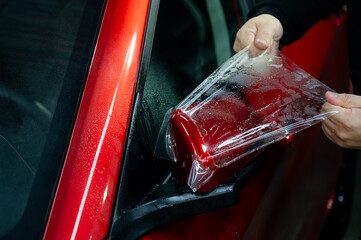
pixel 296 16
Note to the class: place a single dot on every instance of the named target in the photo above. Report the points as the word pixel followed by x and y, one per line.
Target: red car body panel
pixel 310 52
pixel 83 203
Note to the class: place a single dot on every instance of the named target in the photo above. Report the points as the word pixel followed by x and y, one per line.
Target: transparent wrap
pixel 242 107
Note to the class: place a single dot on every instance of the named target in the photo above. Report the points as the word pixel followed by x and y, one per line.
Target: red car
pixel 84 86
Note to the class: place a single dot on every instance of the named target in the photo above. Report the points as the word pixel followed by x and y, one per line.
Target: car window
pixel 192 39
pixel 45 51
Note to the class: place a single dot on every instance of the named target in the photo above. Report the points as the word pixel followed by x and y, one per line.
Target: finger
pixel 263 40
pixel 334 119
pixel 342 142
pixel 269 30
pixel 331 135
pixel 344 118
pixel 328 108
pixel 254 51
pixel 245 37
pixel 335 122
pixel 264 37
pixel 344 100
pixel 327 132
pixel 330 124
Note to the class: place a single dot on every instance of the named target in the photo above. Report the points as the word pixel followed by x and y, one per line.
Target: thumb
pixel 245 36
pixel 269 30
pixel 344 100
pixel 264 37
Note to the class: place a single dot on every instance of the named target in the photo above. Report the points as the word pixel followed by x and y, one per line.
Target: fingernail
pixel 261 43
pixel 259 40
pixel 332 94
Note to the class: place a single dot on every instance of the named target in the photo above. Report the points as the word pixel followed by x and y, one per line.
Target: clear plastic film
pixel 242 107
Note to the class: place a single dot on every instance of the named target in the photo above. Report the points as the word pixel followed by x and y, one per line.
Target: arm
pixel 296 16
pixel 275 22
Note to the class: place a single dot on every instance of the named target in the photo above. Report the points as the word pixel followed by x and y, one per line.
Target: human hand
pixel 343 128
pixel 260 33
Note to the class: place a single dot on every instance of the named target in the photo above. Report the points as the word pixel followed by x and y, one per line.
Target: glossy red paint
pixel 311 51
pixel 83 203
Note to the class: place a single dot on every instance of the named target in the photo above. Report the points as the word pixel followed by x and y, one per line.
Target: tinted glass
pixel 45 48
pixel 192 39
